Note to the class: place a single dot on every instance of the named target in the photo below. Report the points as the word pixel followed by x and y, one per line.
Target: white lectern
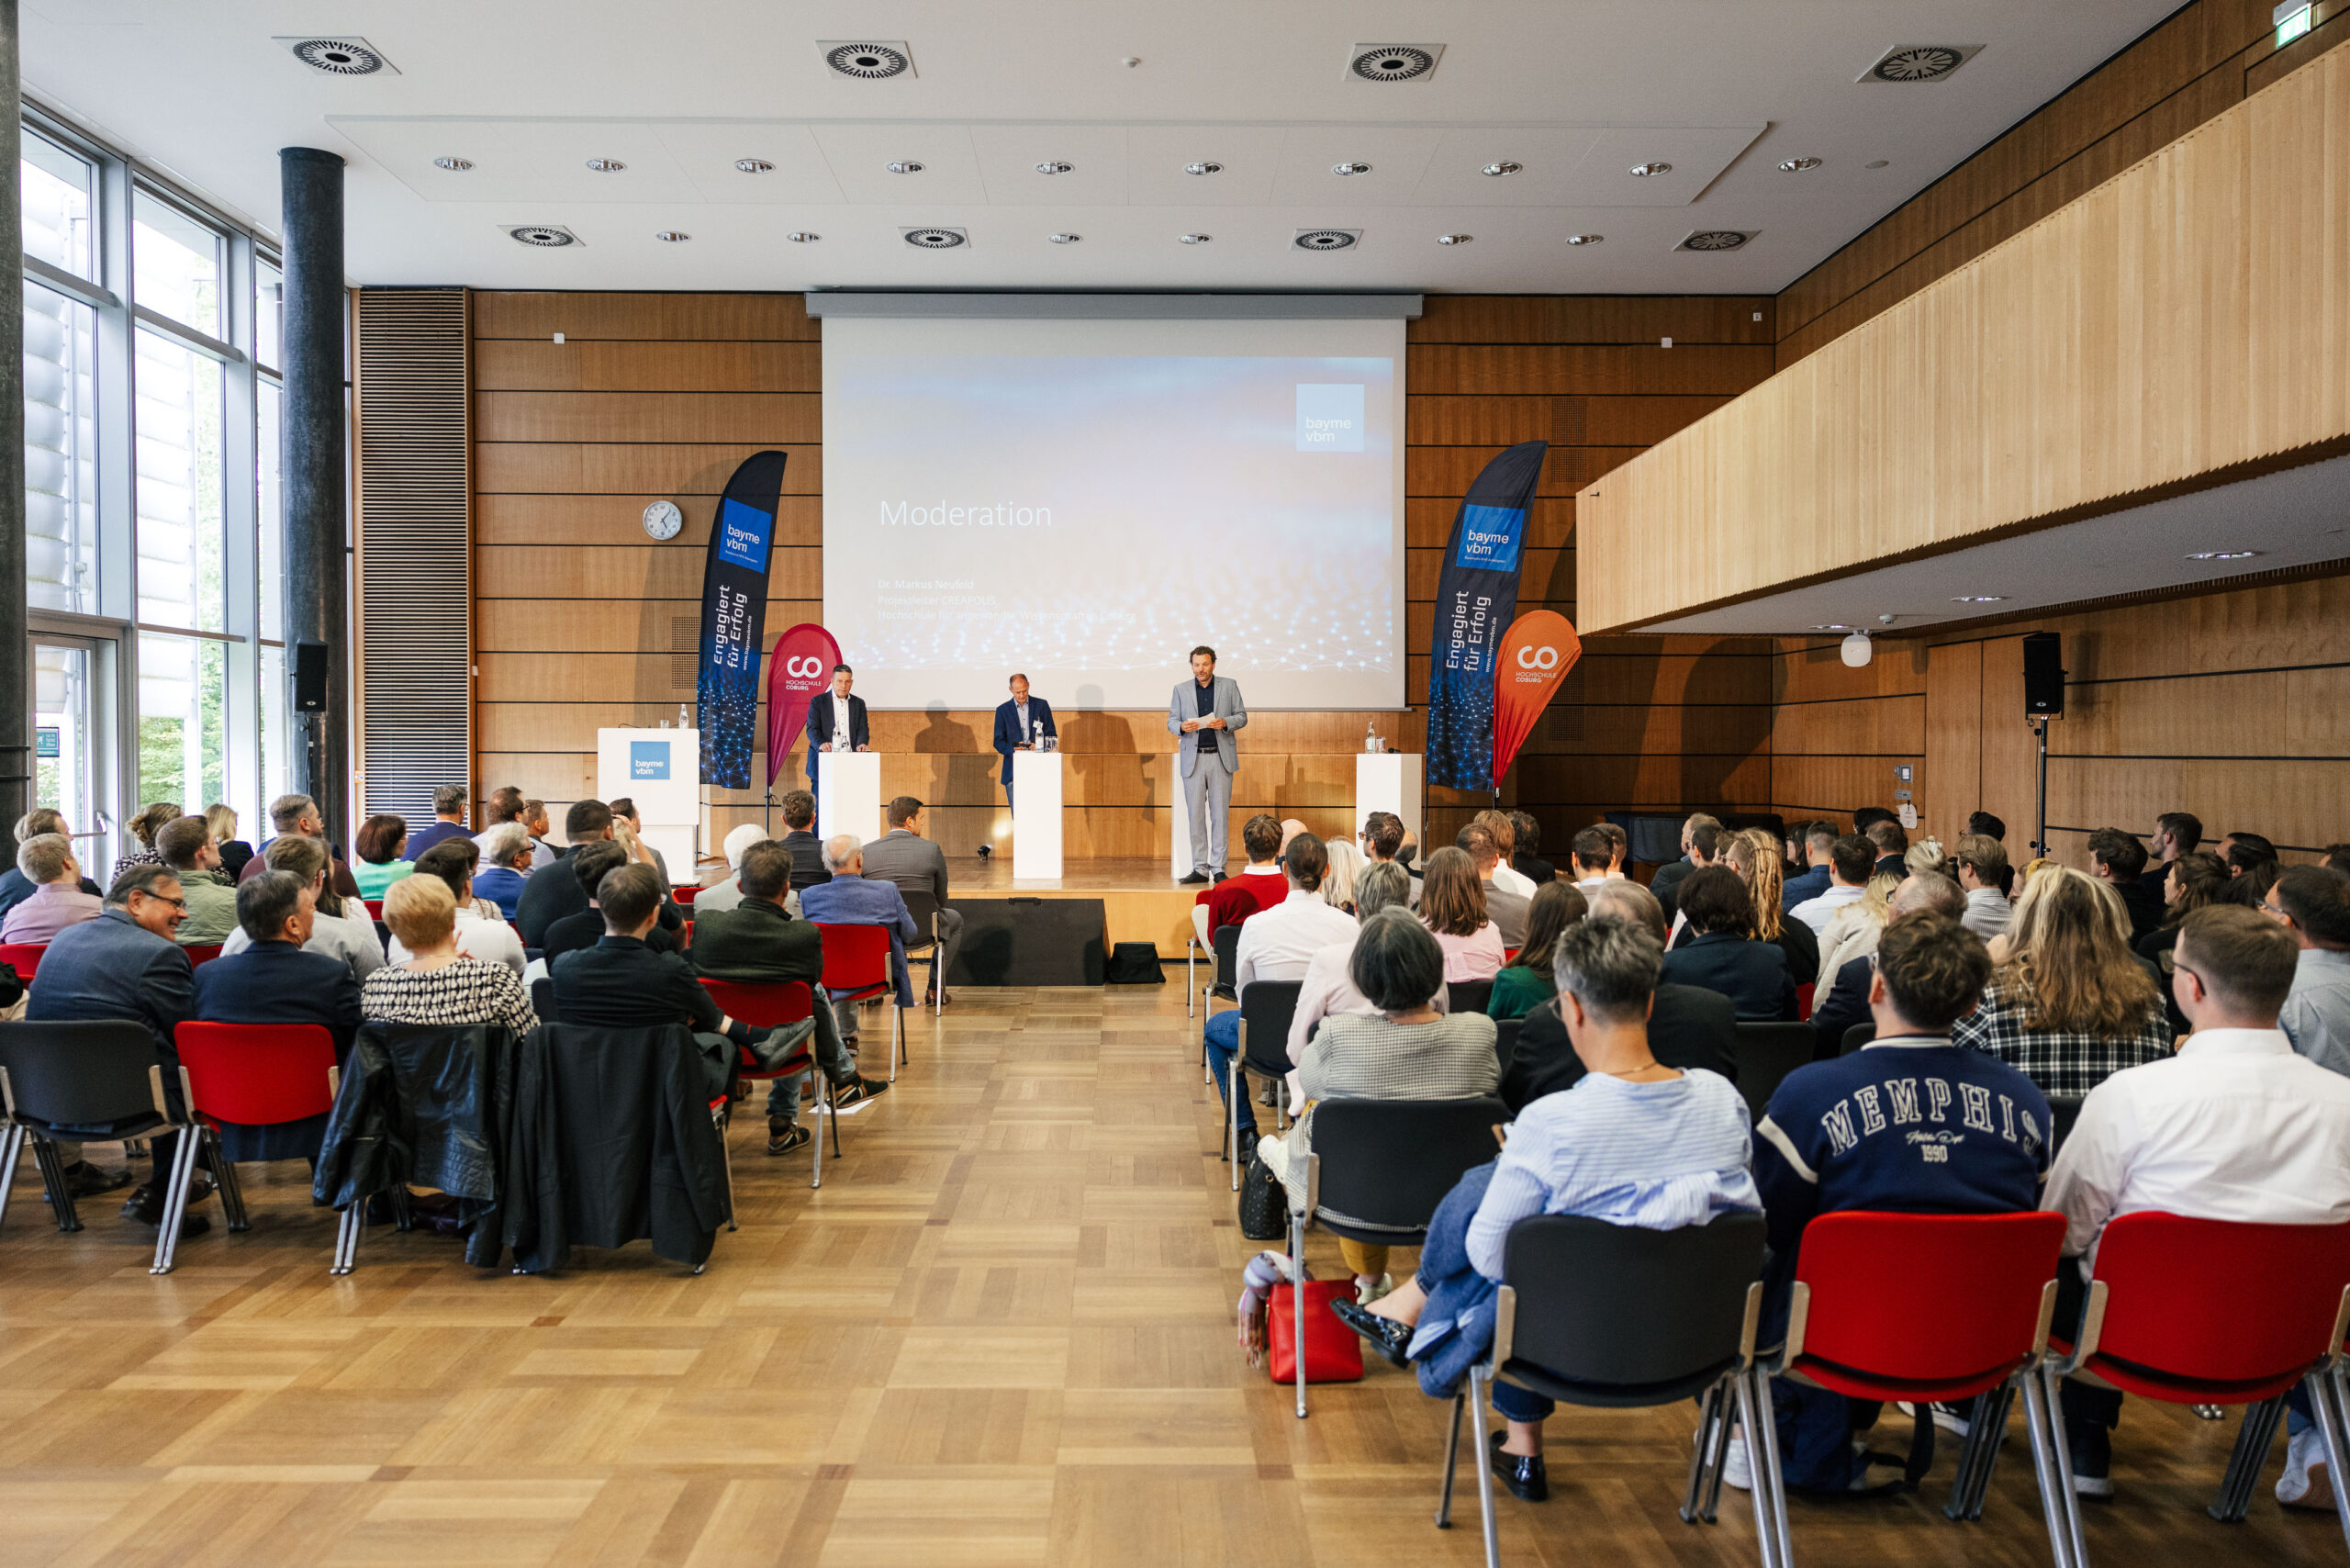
pixel 660 770
pixel 849 794
pixel 1035 814
pixel 1391 781
pixel 1178 837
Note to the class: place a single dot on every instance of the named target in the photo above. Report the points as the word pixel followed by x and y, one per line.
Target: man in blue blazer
pixel 1020 725
pixel 835 723
pixel 849 899
pixel 1207 708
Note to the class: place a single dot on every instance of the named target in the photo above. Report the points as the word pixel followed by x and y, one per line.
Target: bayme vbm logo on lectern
pixel 648 759
pixel 1329 416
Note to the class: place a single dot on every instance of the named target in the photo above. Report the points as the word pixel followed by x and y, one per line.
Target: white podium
pixel 1391 781
pixel 661 771
pixel 1179 836
pixel 1035 814
pixel 849 794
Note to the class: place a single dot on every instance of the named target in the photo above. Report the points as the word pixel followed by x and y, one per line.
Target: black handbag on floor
pixel 1264 1202
pixel 1134 963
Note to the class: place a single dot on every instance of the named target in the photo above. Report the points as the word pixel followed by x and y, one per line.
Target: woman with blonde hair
pixel 1853 932
pixel 438 984
pixel 1754 855
pixel 1338 881
pixel 1926 855
pixel 1452 906
pixel 2071 1004
pixel 143 828
pixel 234 851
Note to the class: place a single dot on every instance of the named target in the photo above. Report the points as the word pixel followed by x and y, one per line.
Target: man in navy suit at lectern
pixel 835 723
pixel 1021 724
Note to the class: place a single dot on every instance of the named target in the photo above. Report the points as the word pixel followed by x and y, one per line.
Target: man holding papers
pixel 1022 724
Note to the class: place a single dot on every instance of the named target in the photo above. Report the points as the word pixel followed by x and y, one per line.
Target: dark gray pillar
pixel 16 656
pixel 317 564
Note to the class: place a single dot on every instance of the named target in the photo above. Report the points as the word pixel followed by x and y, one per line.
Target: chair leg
pixel 1451 1461
pixel 2053 1466
pixel 1768 1494
pixel 2246 1459
pixel 167 1234
pixel 346 1237
pixel 2326 1401
pixel 12 1144
pixel 224 1175
pixel 719 1119
pixel 1231 1123
pixel 897 1023
pixel 1297 1300
pixel 1987 1429
pixel 1191 954
pixel 53 1179
pixel 1485 1459
pixel 1709 1412
pixel 1710 1508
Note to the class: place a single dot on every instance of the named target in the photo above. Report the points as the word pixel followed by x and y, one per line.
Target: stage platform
pixel 1140 902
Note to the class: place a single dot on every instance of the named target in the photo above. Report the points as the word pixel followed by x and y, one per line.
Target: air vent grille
pixel 935 238
pixel 1715 240
pixel 869 60
pixel 1915 62
pixel 1327 238
pixel 543 236
pixel 340 57
pixel 1393 61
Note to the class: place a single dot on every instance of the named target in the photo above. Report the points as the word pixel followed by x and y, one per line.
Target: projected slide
pixel 1088 517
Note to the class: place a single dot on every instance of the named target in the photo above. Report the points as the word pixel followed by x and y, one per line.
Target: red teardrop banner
pixel 800 667
pixel 1537 651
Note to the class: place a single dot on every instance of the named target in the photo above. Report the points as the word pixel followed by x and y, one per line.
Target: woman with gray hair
pixel 1405 1049
pixel 504 867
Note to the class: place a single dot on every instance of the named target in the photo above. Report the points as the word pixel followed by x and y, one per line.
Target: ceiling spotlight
pixel 754 166
pixel 1645 171
pixel 2223 555
pixel 1497 171
pixel 1798 165
pixel 1193 238
pixel 801 237
pixel 1876 164
pixel 903 166
pixel 1980 598
pixel 1857 650
pixel 1207 168
pixel 1454 239
pixel 455 166
pixel 1351 168
pixel 606 165
pixel 671 236
pixel 1832 627
pixel 1054 166
pixel 1586 239
pixel 1064 238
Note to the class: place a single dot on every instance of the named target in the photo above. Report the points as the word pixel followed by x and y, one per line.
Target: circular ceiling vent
pixel 1327 238
pixel 867 62
pixel 1395 62
pixel 935 238
pixel 339 57
pixel 1715 240
pixel 545 236
pixel 1919 62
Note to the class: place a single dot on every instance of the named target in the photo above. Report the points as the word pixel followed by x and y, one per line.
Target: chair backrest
pixel 2219 1300
pixel 1469 996
pixel 23 957
pixel 1389 1162
pixel 375 908
pixel 686 895
pixel 2064 1110
pixel 1266 1006
pixel 1804 994
pixel 766 1006
pixel 1575 1278
pixel 201 953
pixel 82 1074
pixel 1506 1040
pixel 1767 1052
pixel 1855 1037
pixel 1226 942
pixel 257 1073
pixel 922 904
pixel 543 999
pixel 1930 1297
pixel 856 957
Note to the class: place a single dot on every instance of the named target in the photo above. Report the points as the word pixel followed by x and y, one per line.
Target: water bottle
pixel 1370 736
pixel 685 721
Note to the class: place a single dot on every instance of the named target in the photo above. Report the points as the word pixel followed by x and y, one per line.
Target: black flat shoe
pixel 1389 1338
pixel 1195 880
pixel 1524 1475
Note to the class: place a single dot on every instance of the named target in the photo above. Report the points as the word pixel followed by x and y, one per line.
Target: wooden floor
pixel 1001 1334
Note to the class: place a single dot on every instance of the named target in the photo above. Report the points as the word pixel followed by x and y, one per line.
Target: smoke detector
pixel 1193 238
pixel 544 236
pixel 1207 167
pixel 1393 61
pixel 1065 239
pixel 802 237
pixel 867 60
pixel 1714 239
pixel 1913 63
pixel 1327 238
pixel 340 57
pixel 1586 239
pixel 935 239
pixel 754 166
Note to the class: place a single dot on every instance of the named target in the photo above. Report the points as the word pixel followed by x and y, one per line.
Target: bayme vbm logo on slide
pixel 1329 416
pixel 648 759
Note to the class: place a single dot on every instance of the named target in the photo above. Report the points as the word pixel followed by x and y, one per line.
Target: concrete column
pixel 16 656
pixel 317 560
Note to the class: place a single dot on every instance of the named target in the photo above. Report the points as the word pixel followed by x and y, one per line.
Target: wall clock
pixel 663 520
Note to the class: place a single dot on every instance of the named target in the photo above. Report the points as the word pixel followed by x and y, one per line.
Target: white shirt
pixel 1276 944
pixel 493 941
pixel 840 722
pixel 2236 1127
pixel 1509 876
pixel 1817 912
pixel 351 939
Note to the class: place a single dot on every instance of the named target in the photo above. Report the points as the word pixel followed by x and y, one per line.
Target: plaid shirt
pixel 2063 1063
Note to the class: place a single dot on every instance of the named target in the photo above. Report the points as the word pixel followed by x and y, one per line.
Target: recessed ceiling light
pixel 801 237
pixel 1644 171
pixel 1054 166
pixel 1205 168
pixel 2222 555
pixel 754 166
pixel 1980 598
pixel 1586 239
pixel 1798 165
pixel 455 166
pixel 903 166
pixel 1351 168
pixel 671 236
pixel 1837 626
pixel 1193 238
pixel 1064 238
pixel 1454 239
pixel 606 165
pixel 1499 170
pixel 1876 164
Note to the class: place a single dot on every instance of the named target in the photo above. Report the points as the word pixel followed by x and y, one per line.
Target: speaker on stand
pixel 2043 699
pixel 309 710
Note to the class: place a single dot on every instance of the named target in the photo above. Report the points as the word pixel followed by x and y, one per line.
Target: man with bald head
pixel 850 900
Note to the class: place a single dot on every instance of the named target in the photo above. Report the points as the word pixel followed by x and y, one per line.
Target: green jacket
pixel 1518 991
pixel 755 943
pixel 211 909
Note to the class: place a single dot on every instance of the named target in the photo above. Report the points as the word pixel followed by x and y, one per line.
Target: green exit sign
pixel 2292 19
pixel 45 741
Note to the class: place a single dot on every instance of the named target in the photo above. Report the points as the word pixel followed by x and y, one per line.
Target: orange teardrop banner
pixel 1537 651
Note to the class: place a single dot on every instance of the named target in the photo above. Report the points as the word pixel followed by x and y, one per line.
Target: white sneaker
pixel 1736 1474
pixel 2305 1483
pixel 1946 1417
pixel 1368 1290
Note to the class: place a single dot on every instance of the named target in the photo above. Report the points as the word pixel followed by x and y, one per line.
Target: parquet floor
pixel 1001 1334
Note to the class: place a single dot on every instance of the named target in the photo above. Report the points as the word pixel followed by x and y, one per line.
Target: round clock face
pixel 663 520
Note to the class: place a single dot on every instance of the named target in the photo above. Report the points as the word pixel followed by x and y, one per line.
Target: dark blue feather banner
pixel 1476 600
pixel 733 619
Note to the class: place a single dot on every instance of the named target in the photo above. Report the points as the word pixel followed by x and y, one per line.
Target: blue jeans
pixel 1444 1258
pixel 1222 1032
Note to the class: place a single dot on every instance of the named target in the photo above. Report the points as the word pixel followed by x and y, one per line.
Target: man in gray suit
pixel 904 856
pixel 1207 708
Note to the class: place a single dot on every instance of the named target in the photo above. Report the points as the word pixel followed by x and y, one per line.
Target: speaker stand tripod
pixel 2039 837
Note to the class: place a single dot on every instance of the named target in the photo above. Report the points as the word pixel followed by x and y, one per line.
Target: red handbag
pixel 1332 1351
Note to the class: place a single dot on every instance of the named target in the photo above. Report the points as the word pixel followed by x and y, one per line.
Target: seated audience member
pixel 1706 842
pixel 1524 855
pixel 46 864
pixel 1847 1134
pixel 1328 988
pixel 546 900
pixel 589 865
pixel 1526 981
pixel 381 844
pixel 1852 860
pixel 2245 852
pixel 534 817
pixel 274 979
pixel 1668 877
pixel 505 867
pixel 849 899
pixel 2234 1126
pixel 124 965
pixel 1346 870
pixel 234 852
pixel 800 837
pixel 1891 840
pixel 485 937
pixel 1593 855
pixel 758 943
pixel 1925 855
pixel 2070 1005
pixel 1452 906
pixel 298 816
pixel 1504 906
pixel 1277 944
pixel 1868 817
pixel 448 821
pixel 1504 836
pixel 505 805
pixel 2176 834
pixel 2117 859
pixel 728 894
pixel 1382 844
pixel 624 815
pixel 438 986
pixel 466 855
pixel 1853 930
pixel 620 983
pixel 1754 855
pixel 917 865
pixel 1635 1142
pixel 1619 849
pixel 1984 875
pixel 2313 903
pixel 1842 999
pixel 2337 858
pixel 1723 955
pixel 14 886
pixel 1689 1026
pixel 2189 882
pixel 143 829
pixel 1407 1050
pixel 1231 900
pixel 188 848
pixel 1987 826
pixel 341 927
pixel 1818 841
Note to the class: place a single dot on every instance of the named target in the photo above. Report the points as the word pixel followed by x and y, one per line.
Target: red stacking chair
pixel 686 895
pixel 260 1074
pixel 200 954
pixel 375 908
pixel 771 1006
pixel 1804 994
pixel 857 966
pixel 24 955
pixel 2216 1312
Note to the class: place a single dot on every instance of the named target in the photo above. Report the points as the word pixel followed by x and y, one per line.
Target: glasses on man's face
pixel 180 905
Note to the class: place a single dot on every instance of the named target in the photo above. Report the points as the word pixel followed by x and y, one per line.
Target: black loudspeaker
pixel 2043 675
pixel 1029 941
pixel 309 678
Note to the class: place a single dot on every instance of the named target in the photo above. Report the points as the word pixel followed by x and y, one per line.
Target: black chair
pixel 542 1000
pixel 88 1082
pixel 1562 1330
pixel 923 907
pixel 1856 1036
pixel 2062 1112
pixel 1266 1009
pixel 1469 996
pixel 1219 986
pixel 1377 1170
pixel 1506 1041
pixel 1767 1052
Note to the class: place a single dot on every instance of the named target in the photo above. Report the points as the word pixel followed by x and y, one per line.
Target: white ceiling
pixel 2298 517
pixel 1722 89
